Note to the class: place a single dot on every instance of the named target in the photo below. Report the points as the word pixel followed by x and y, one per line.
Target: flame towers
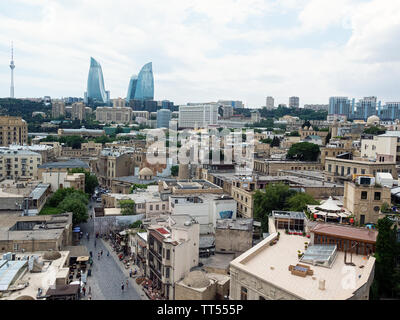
pixel 132 88
pixel 141 87
pixel 95 85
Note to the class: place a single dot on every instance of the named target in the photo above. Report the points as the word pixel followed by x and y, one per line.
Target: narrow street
pixel 107 275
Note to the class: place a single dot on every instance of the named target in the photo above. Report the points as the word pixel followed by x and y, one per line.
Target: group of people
pixel 83 291
pixel 123 285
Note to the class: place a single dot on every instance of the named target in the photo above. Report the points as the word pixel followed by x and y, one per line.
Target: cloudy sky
pixel 205 50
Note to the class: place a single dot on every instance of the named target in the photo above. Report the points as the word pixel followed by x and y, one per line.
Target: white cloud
pixel 200 52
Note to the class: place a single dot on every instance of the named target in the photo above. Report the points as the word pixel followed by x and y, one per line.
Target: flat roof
pixel 73 163
pixel 348 232
pixel 270 264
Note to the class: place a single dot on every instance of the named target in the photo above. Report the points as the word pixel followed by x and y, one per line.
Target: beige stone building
pixel 13 130
pixel 339 170
pixel 365 201
pixel 305 132
pixel 272 270
pixel 233 236
pixel 115 114
pixel 57 109
pixel 173 249
pixel 25 234
pixel 113 163
pixel 56 148
pixel 199 285
pixel 19 164
pixel 272 167
pixel 78 111
pixel 83 132
pixel 62 179
pixel 119 103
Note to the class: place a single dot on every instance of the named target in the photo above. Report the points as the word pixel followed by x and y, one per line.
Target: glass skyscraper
pixel 132 88
pixel 145 83
pixel 95 84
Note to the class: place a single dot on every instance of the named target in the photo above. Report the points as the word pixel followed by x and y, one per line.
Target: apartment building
pixel 365 200
pixel 114 114
pixel 119 103
pixel 339 170
pixel 272 270
pixel 198 116
pixel 113 163
pixel 78 111
pixel 379 146
pixel 57 109
pixel 19 164
pixel 13 130
pixel 272 167
pixel 173 249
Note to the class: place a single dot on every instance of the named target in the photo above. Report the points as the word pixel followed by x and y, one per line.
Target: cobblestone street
pixel 108 272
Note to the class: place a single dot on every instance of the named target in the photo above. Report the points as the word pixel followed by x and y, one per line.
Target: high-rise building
pixel 366 107
pixel 13 130
pixel 294 102
pixel 78 111
pixel 95 85
pixel 340 105
pixel 57 109
pixel 199 116
pixel 235 104
pixel 132 88
pixel 163 118
pixel 145 83
pixel 390 111
pixel 12 67
pixel 270 102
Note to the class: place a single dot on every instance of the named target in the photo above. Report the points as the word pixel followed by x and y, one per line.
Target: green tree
pixel 174 171
pixel 387 249
pixel 299 201
pixel 136 224
pixel 303 151
pixel 294 134
pixel 78 209
pixel 268 140
pixel 328 138
pixel 273 198
pixel 127 207
pixel 375 130
pixel 275 142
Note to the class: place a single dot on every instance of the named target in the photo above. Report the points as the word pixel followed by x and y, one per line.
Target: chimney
pixel 321 285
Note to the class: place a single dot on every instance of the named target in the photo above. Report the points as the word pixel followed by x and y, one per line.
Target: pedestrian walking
pixel 91 254
pixel 130 273
pixel 101 252
pixel 122 286
pixel 127 281
pixel 84 291
pixel 108 253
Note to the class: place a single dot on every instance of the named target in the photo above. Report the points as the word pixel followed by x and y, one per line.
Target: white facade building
pixel 199 116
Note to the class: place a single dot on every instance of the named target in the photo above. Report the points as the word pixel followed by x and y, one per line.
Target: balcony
pixel 154 269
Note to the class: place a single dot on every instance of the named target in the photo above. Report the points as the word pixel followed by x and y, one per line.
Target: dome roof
pixel 52 255
pixel 373 119
pixel 196 279
pixel 145 172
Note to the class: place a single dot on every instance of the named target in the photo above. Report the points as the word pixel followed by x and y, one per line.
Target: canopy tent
pixel 329 205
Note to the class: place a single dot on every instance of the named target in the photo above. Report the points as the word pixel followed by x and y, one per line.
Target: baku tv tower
pixel 12 67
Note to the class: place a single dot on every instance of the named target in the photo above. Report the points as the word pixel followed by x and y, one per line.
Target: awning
pixel 82 259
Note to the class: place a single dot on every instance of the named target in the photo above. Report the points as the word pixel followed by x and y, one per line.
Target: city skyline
pixel 205 51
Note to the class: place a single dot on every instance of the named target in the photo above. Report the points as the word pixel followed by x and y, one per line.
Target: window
pixel 355 170
pixel 167 272
pixel 151 207
pixel 377 196
pixel 362 171
pixel 243 293
pixel 168 254
pixel 157 207
pixel 364 195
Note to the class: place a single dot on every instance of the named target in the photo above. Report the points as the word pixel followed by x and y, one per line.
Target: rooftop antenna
pixel 12 67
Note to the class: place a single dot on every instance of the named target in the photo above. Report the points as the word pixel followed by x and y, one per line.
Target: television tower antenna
pixel 12 67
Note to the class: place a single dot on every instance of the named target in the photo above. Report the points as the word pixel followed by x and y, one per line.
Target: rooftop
pixel 73 163
pixel 344 231
pixel 270 264
pixel 238 224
